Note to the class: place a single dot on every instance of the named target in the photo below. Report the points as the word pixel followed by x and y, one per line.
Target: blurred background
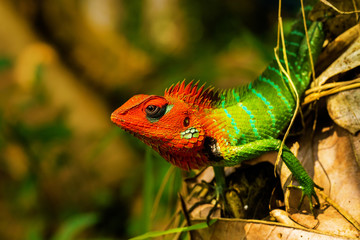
pixel 65 171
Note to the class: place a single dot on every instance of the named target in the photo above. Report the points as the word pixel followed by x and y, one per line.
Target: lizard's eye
pixel 153 111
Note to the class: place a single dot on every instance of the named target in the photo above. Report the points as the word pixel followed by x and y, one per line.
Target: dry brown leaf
pixel 337 15
pixel 344 109
pixel 348 60
pixel 337 171
pixel 336 151
pixel 282 216
pixel 335 48
pixel 246 229
pixel 203 210
pixel 340 56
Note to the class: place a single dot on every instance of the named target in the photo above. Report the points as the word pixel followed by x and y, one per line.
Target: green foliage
pixel 5 63
pixel 75 225
pixel 43 134
pixel 148 190
pixel 155 170
pixel 174 230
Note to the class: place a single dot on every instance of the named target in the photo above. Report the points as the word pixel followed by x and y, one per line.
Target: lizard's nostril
pixel 114 118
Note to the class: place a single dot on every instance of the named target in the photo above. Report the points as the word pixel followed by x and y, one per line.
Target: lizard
pixel 193 127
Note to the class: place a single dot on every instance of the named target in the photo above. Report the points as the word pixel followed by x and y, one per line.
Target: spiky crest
pixel 193 94
pixel 233 95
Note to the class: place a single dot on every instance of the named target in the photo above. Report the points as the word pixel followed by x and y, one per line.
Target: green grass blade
pixel 75 225
pixel 148 189
pixel 174 230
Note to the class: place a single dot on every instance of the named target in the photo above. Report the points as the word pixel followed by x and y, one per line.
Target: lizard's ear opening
pixel 186 122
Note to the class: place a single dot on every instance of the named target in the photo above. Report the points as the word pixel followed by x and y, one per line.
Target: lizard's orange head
pixel 171 124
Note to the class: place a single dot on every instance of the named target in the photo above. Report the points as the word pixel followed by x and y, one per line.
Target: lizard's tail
pixel 297 54
pixel 297 46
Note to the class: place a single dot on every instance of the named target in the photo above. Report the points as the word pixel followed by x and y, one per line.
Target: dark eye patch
pixel 154 112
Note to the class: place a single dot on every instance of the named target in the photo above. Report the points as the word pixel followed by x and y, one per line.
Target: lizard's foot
pixel 207 193
pixel 246 193
pixel 201 190
pixel 218 197
pixel 307 188
pixel 204 191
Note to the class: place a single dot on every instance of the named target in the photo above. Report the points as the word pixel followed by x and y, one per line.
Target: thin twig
pixel 317 95
pixel 307 40
pixel 293 88
pixel 330 85
pixel 339 11
pixel 356 11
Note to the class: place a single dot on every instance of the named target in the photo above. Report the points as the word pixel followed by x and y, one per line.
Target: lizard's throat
pixel 185 161
pixel 208 154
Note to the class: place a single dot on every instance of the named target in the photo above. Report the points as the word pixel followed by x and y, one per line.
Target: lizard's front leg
pixel 235 154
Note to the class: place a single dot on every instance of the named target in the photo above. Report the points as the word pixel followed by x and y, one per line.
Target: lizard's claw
pixel 307 188
pixel 208 193
pixel 217 196
pixel 201 189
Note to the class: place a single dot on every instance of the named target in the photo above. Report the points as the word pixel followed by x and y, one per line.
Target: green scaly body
pixel 263 108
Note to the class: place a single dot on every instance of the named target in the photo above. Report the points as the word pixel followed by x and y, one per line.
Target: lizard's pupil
pixel 152 109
